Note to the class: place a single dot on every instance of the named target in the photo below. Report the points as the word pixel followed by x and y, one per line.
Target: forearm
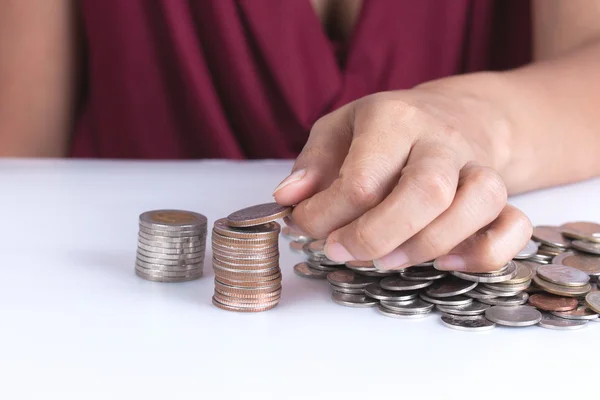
pixel 544 118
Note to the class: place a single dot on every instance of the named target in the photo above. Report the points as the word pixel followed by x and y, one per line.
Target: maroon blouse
pixel 248 78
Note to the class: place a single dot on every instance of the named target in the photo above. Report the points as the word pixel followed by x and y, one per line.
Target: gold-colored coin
pixel 560 290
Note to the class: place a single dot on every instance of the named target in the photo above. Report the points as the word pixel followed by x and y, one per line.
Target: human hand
pixel 406 177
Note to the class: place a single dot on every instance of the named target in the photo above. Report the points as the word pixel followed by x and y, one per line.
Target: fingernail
pixel 450 263
pixel 397 259
pixel 294 177
pixel 336 252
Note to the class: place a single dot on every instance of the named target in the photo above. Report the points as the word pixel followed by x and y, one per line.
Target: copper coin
pixel 350 279
pixel 550 302
pixel 246 292
pixel 302 269
pixel 563 275
pixel 449 287
pixel 588 247
pixel 244 309
pixel 582 230
pixel 569 291
pixel 268 230
pixel 583 262
pixel 550 235
pixel 246 264
pixel 244 242
pixel 581 312
pixel 250 284
pixel 244 301
pixel 258 215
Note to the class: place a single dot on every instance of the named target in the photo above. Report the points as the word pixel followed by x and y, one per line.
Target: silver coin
pixel 473 324
pixel 167 267
pixel 400 314
pixel 475 294
pixel 516 300
pixel 496 293
pixel 552 322
pixel 475 308
pixel 582 312
pixel 173 234
pixel 540 259
pixel 499 287
pixel 297 247
pixel 397 283
pixel 422 273
pixel 325 268
pixel 169 273
pixel 448 301
pixel 449 287
pixel 588 247
pixel 170 257
pixel 302 269
pixel 316 248
pixel 156 278
pixel 185 246
pixel 563 275
pixel 583 230
pixel 425 264
pixel 550 236
pixel 530 249
pixel 164 261
pixel 169 239
pixel 413 306
pixel 353 300
pixel 294 235
pixel 347 290
pixel 174 220
pixel 375 291
pixel 508 272
pixel 362 266
pixel 513 316
pixel 176 252
pixel 350 279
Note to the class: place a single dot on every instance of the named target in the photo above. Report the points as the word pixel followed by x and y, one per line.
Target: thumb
pixel 319 163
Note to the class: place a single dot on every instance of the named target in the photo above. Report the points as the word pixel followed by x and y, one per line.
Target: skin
pixel 397 177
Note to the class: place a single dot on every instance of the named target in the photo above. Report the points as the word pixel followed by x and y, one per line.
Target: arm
pixel 551 108
pixel 37 76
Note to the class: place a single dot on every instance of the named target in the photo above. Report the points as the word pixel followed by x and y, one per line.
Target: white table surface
pixel 76 322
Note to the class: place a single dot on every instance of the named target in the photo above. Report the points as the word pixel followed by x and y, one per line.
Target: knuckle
pixel 492 185
pixel 361 190
pixel 436 189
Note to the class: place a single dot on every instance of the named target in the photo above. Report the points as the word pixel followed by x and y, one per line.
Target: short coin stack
pixel 171 245
pixel 558 280
pixel 246 259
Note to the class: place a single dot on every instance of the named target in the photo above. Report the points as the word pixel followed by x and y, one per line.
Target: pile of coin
pixel 560 282
pixel 245 249
pixel 171 245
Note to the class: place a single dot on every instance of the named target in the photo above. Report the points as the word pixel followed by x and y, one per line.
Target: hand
pixel 405 177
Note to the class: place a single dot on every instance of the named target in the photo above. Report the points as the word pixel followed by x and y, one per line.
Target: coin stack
pixel 246 259
pixel 171 245
pixel 562 295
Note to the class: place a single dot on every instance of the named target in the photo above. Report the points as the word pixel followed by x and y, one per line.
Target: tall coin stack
pixel 246 259
pixel 171 246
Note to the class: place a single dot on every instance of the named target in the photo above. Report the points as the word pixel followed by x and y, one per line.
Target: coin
pixel 353 300
pixel 294 235
pixel 375 291
pixel 550 235
pixel 350 279
pixel 475 294
pixel 581 312
pixel 449 287
pixel 422 273
pixel 502 288
pixel 176 220
pixel 347 290
pixel 552 322
pixel 263 307
pixel 397 283
pixel 529 250
pixel 588 247
pixel 563 275
pixel 540 258
pixel 582 230
pixel 496 293
pixel 325 268
pixel 414 306
pixel 447 301
pixel 316 248
pixel 258 215
pixel 163 278
pixel 592 300
pixel 515 300
pixel 524 274
pixel 513 316
pixel 532 265
pixel 304 270
pixel 583 262
pixel 550 302
pixel 569 291
pixel 473 324
pixel 362 266
pixel 549 251
pixel 297 247
pixel 474 308
pixel 400 314
pixel 266 231
pixel 380 274
pixel 508 272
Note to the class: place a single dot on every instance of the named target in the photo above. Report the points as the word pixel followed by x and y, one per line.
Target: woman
pixel 415 136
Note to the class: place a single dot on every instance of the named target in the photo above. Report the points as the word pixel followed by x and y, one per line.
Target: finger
pixel 492 247
pixel 425 190
pixel 480 197
pixel 372 167
pixel 319 162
